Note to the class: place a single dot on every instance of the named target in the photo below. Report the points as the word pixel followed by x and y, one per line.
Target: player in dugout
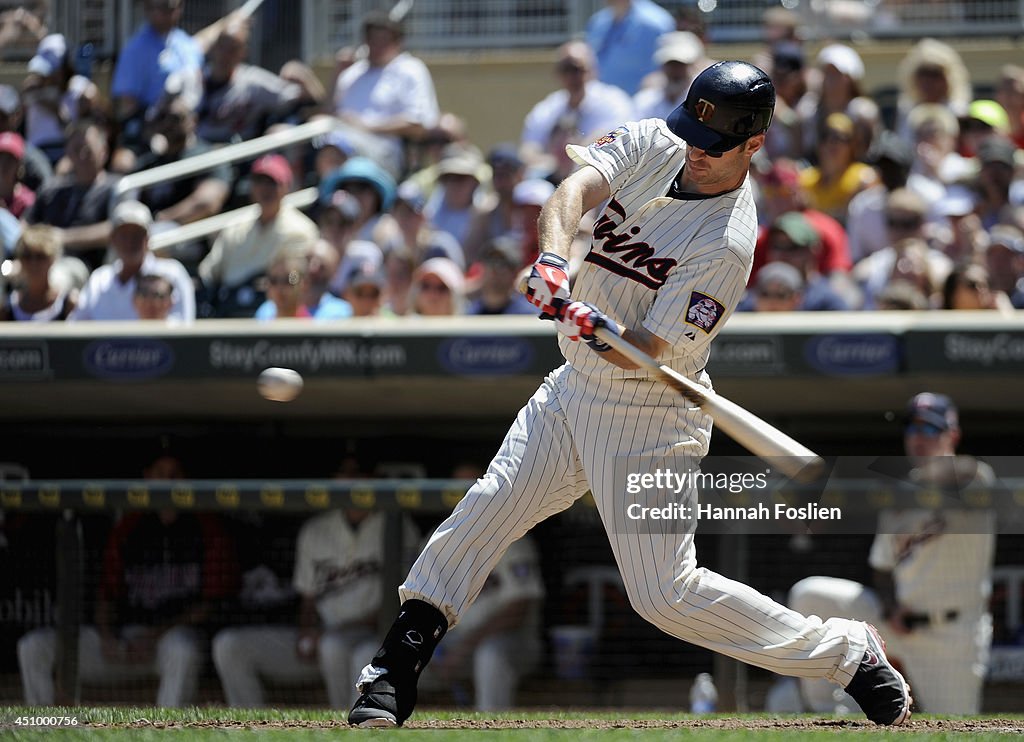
pixel 668 264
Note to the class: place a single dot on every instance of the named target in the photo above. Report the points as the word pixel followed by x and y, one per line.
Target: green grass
pixel 124 724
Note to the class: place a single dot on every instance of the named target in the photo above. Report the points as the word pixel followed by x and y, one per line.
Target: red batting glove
pixel 578 320
pixel 548 285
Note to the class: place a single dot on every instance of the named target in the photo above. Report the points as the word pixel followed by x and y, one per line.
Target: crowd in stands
pixel 911 203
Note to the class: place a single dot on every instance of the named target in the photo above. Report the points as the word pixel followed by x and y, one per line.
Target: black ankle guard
pixel 412 639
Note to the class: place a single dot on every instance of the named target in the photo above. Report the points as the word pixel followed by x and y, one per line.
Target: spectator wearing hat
pixel 495 216
pixel 438 289
pixel 1004 259
pixel 292 290
pixel 364 291
pixel 622 35
pixel 338 221
pixel 529 198
pixel 241 253
pixel 157 52
pixel 1010 95
pixel 997 159
pixel 908 255
pixel 388 94
pixel 241 100
pixel 54 96
pixel 582 109
pixel 501 262
pixel 374 190
pixel 792 240
pixel 838 176
pixel 452 207
pixel 959 233
pixel 779 288
pixel 80 202
pixel 932 72
pixel 781 193
pixel 892 159
pixel 108 295
pixel 36 170
pixel 785 136
pixel 37 298
pixel 420 240
pixel 332 150
pixel 835 83
pixel 172 126
pixel 899 296
pixel 984 118
pixel 678 55
pixel 15 196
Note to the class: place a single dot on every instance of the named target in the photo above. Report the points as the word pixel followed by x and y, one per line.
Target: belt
pixel 934 618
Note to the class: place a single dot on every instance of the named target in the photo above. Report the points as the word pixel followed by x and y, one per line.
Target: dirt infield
pixel 931 726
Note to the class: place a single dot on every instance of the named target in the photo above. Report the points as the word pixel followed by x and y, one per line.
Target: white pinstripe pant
pixel 566 440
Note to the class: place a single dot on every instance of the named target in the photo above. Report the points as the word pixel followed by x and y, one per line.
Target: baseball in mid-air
pixel 279 384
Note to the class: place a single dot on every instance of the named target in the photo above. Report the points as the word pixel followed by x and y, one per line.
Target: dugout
pixel 90 403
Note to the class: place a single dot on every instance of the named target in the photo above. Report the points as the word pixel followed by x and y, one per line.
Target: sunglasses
pixel 778 295
pixel 897 223
pixel 151 294
pixel 33 256
pixel 434 286
pixel 568 68
pixel 366 293
pixel 834 136
pixel 928 430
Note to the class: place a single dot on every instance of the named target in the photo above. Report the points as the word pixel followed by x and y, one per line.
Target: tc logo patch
pixel 610 137
pixel 704 109
pixel 703 311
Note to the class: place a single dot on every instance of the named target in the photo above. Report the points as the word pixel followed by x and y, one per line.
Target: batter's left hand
pixel 577 320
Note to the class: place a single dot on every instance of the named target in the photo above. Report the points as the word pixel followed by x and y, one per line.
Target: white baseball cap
pixel 132 212
pixel 844 59
pixel 49 56
pixel 678 46
pixel 532 192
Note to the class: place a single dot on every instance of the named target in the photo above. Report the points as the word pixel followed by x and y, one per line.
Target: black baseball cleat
pixel 383 703
pixel 878 687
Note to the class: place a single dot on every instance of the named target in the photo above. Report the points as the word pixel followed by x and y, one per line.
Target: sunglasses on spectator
pixel 368 292
pixel 153 294
pixel 434 286
pixel 903 222
pixel 571 68
pixel 928 430
pixel 975 285
pixel 32 256
pixel 929 71
pixel 835 136
pixel 779 295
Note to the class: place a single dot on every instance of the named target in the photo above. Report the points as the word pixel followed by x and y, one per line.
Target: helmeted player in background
pixel 677 233
pixel 933 576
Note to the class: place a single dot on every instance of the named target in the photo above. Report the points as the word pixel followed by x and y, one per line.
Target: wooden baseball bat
pixel 787 455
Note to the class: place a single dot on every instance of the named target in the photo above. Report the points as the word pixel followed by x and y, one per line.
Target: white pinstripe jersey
pixel 677 267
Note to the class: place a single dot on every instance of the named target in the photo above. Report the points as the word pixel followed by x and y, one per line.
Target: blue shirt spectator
pixel 158 50
pixel 330 307
pixel 624 36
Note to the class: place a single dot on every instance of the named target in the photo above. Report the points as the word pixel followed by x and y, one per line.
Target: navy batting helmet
pixel 727 103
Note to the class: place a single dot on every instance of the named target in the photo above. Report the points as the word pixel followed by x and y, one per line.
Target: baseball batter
pixel 669 260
